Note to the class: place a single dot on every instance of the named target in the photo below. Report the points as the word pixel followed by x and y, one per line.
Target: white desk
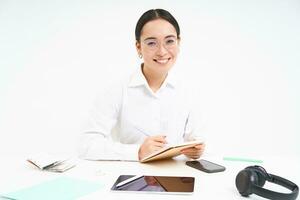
pixel 16 173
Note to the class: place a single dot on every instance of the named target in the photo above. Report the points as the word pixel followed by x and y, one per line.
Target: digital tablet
pixel 154 184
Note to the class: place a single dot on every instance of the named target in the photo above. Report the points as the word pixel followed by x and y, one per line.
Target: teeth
pixel 162 61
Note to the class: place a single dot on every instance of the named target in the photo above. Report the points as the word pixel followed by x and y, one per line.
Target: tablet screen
pixel 162 184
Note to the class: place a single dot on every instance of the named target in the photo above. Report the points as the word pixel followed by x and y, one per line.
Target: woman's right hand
pixel 151 144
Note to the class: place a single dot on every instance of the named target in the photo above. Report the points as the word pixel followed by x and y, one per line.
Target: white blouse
pixel 127 113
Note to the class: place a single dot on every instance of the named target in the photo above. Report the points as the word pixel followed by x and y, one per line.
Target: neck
pixel 154 79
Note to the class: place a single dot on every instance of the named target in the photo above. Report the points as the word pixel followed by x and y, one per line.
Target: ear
pixel 178 41
pixel 138 47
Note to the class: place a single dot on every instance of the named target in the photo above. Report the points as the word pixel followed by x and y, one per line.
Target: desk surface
pixel 16 173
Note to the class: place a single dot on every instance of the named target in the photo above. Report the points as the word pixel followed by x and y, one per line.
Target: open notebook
pixel 170 151
pixel 54 163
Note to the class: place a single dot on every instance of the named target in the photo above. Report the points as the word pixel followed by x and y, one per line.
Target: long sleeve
pixel 96 142
pixel 195 128
pixel 95 146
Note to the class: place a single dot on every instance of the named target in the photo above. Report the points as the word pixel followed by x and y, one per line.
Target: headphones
pixel 252 179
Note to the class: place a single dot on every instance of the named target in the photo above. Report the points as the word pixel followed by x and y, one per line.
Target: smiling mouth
pixel 162 61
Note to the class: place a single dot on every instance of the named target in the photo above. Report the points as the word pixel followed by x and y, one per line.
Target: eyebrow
pixel 154 38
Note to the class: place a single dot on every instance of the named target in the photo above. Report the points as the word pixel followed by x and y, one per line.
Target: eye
pixel 170 41
pixel 151 43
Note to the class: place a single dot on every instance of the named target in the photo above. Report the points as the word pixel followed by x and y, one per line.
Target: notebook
pixel 170 151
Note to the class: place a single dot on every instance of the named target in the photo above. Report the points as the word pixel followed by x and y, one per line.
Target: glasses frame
pixel 158 43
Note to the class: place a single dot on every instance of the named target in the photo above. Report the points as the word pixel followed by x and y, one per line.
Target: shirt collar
pixel 171 79
pixel 138 79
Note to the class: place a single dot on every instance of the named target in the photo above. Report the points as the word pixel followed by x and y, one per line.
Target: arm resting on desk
pixel 95 146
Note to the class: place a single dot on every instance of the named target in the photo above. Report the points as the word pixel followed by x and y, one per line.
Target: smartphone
pixel 206 166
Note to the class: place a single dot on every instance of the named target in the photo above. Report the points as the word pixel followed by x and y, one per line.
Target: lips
pixel 162 60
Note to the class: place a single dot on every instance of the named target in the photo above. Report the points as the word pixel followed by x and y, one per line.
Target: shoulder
pixel 116 89
pixel 111 92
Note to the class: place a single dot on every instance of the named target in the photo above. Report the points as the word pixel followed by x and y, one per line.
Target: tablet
pixel 155 184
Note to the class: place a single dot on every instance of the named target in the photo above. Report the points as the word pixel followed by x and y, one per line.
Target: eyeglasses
pixel 168 43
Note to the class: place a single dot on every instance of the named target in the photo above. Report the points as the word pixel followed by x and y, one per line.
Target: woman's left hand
pixel 194 152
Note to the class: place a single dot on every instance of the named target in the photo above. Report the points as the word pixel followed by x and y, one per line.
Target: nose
pixel 161 50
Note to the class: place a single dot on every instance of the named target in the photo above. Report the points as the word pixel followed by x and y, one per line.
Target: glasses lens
pixel 170 42
pixel 151 44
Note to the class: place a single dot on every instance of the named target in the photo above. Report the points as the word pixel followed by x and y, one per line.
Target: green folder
pixel 62 188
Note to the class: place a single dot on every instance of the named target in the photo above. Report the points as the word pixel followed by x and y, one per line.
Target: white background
pixel 243 57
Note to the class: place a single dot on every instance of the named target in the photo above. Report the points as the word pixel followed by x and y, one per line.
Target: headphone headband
pixel 251 180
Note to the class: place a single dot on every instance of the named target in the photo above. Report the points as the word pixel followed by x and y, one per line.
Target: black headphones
pixel 252 179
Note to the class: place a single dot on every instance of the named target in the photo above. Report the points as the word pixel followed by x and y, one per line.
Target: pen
pixel 129 180
pixel 141 130
pixel 242 159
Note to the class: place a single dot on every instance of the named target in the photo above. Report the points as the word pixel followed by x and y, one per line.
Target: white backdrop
pixel 243 57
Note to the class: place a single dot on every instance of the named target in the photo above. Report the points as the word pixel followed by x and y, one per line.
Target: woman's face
pixel 158 45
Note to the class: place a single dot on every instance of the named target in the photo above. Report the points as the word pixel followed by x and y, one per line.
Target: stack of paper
pixel 51 162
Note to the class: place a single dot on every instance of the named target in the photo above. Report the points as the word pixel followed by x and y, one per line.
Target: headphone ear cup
pixel 261 175
pixel 244 181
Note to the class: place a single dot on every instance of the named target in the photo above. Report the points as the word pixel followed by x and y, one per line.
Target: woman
pixel 151 108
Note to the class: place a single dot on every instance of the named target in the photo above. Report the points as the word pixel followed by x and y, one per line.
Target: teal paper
pixel 62 188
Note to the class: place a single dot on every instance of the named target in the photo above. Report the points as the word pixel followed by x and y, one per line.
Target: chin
pixel 163 68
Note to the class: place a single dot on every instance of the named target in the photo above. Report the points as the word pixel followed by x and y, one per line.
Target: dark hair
pixel 152 15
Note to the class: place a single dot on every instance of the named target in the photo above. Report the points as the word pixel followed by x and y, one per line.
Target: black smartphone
pixel 205 165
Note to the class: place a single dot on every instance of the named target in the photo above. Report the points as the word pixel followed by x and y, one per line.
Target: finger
pixel 155 148
pixel 197 148
pixel 198 154
pixel 192 154
pixel 194 157
pixel 158 144
pixel 191 151
pixel 200 146
pixel 159 138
